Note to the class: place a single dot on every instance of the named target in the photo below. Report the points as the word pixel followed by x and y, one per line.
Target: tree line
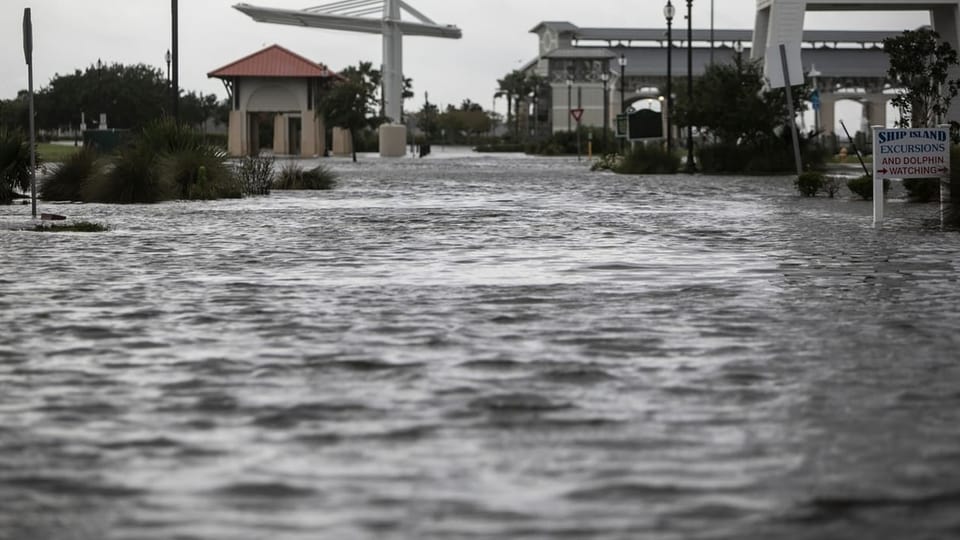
pixel 131 96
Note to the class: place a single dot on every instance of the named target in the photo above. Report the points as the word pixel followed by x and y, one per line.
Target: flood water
pixel 483 347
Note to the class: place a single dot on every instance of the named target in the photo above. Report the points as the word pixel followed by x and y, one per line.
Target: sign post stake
pixel 28 55
pixel 877 179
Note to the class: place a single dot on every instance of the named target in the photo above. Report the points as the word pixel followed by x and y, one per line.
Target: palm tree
pixel 512 87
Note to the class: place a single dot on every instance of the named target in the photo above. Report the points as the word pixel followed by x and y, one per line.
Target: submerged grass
pixel 79 226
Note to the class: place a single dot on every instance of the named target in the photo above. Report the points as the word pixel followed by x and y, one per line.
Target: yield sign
pixel 577 114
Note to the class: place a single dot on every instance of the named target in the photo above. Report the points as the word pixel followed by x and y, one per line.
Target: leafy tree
pixel 920 63
pixel 428 120
pixel 730 103
pixel 352 103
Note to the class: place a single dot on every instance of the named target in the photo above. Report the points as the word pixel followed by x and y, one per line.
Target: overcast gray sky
pixel 71 34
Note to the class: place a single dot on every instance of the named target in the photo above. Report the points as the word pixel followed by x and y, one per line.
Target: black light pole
pixel 99 94
pixel 691 168
pixel 168 58
pixel 605 77
pixel 623 89
pixel 176 61
pixel 669 12
pixel 569 104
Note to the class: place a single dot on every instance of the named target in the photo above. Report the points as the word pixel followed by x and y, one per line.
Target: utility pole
pixel 176 60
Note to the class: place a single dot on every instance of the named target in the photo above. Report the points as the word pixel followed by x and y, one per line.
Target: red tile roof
pixel 274 61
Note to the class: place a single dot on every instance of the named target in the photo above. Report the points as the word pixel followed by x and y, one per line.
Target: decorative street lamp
pixel 569 103
pixel 623 87
pixel 168 58
pixel 669 12
pixel 605 77
pixel 691 168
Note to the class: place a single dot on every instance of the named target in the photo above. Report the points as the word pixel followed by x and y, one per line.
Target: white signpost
pixel 908 153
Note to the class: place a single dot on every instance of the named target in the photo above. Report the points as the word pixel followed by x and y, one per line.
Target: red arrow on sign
pixel 577 114
pixel 882 171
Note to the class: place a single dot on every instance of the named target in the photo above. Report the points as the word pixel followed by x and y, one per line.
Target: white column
pixel 392 61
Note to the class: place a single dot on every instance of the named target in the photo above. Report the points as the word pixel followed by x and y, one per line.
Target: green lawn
pixel 55 153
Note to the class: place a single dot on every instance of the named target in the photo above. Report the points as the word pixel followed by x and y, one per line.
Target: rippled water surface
pixel 483 347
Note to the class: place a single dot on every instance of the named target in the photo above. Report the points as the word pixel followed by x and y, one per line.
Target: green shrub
pixel 14 165
pixel 293 177
pixel 772 155
pixel 863 186
pixel 922 190
pixel 66 183
pixel 649 159
pixel 809 183
pixel 255 174
pixel 500 147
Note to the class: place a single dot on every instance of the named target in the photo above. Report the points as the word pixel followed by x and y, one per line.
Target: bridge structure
pixel 841 64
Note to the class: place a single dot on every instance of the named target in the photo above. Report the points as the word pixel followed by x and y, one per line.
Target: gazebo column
pixel 280 146
pixel 237 134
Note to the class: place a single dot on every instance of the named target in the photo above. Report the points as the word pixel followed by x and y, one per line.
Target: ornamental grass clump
pixel 294 177
pixel 67 181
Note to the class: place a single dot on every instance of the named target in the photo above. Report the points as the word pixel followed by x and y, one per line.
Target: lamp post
pixel 176 60
pixel 816 100
pixel 691 168
pixel 623 88
pixel 605 77
pixel 569 103
pixel 99 94
pixel 669 12
pixel 168 58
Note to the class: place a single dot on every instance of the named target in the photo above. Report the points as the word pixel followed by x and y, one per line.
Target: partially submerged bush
pixel 67 181
pixel 809 183
pixel 922 190
pixel 294 177
pixel 14 165
pixel 255 174
pixel 863 186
